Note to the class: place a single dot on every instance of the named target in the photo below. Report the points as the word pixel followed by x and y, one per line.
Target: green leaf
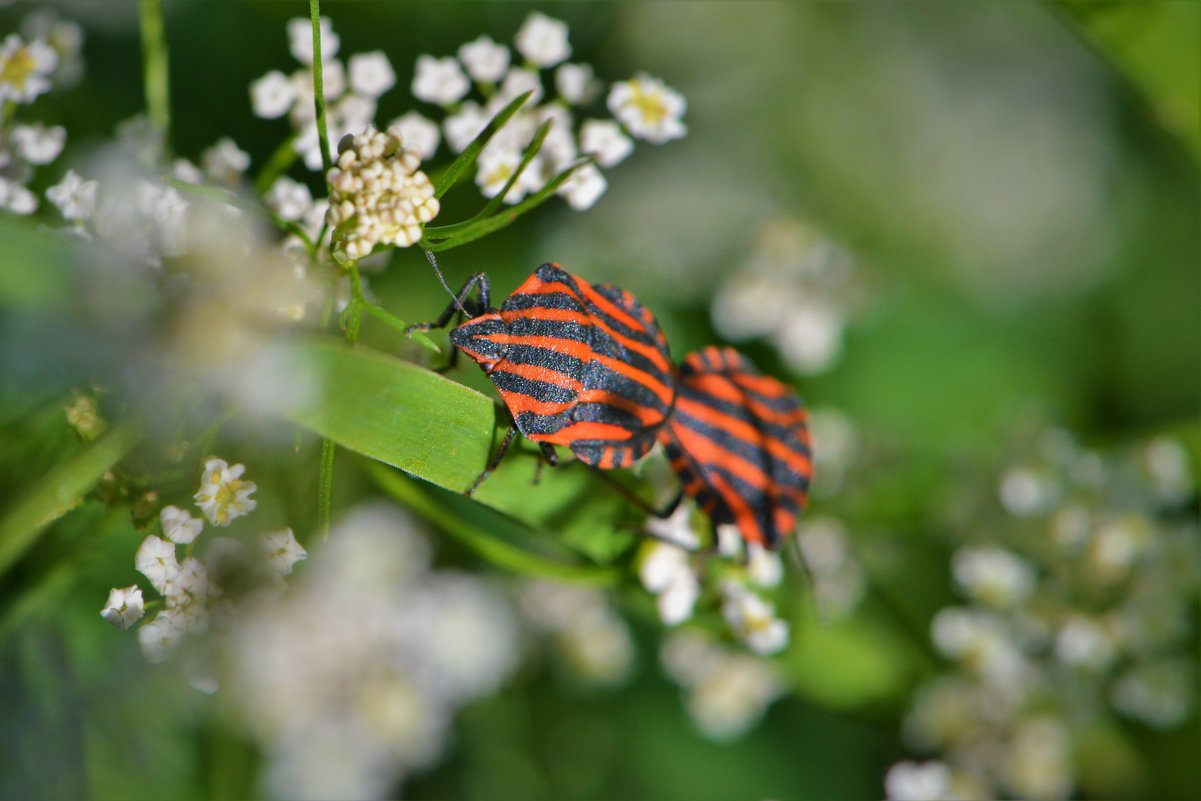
pixel 468 156
pixel 443 432
pixel 1155 46
pixel 60 490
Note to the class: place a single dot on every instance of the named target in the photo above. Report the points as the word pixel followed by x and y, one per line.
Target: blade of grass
pixel 473 150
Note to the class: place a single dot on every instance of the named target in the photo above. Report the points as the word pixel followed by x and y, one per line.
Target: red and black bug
pixel 582 366
pixel 739 443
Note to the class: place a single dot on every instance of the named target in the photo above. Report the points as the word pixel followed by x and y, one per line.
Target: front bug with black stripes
pixel 582 366
pixel 739 442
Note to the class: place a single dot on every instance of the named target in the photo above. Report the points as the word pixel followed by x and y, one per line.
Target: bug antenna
pixel 429 254
pixel 810 587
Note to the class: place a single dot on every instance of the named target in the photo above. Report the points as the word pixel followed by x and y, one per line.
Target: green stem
pixel 154 65
pixel 319 91
pixel 325 489
pixel 277 164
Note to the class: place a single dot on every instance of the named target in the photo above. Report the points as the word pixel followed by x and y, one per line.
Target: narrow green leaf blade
pixel 468 156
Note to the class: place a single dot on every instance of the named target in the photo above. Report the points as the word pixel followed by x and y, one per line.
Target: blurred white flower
pixel 591 639
pixel 764 568
pixel 648 108
pixel 1117 544
pixel 300 39
pixel 675 529
pixel 439 80
pixel 666 571
pixel 979 641
pixel 992 575
pixel 810 340
pixel 156 561
pixel 371 74
pixel 517 81
pixel 1082 642
pixel 576 83
pixel 1159 693
pixel 25 69
pixel 179 526
pixel 281 550
pixel 189 592
pixel 418 133
pixel 16 198
pixel 728 692
pixel 910 781
pixel 288 198
pixel 38 144
pixel 1025 491
pixel 604 141
pixel 223 495
pixel 584 187
pixel 160 636
pixel 124 607
pixel 74 197
pixel 753 620
pixel 224 162
pixel 1167 463
pixel 1038 762
pixel 485 60
pixel 543 40
pixel 379 195
pixel 464 126
pixel 272 95
pixel 494 168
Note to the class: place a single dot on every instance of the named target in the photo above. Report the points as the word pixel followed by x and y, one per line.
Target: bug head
pixel 484 338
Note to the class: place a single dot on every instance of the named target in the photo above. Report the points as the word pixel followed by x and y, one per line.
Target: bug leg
pixel 494 461
pixel 643 505
pixel 460 303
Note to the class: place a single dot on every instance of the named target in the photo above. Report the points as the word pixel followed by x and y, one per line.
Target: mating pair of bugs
pixel 587 367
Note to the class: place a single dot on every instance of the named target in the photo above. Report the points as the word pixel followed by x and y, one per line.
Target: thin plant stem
pixel 319 91
pixel 154 67
pixel 325 487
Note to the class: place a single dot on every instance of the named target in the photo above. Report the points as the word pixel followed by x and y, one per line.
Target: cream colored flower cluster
pixel 378 194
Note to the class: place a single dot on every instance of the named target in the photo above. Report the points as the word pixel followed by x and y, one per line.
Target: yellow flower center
pixel 651 104
pixel 18 67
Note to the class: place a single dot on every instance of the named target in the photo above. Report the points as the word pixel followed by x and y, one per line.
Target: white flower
pixel 288 198
pixel 604 141
pixel 462 128
pixel 38 144
pixel 179 526
pixel 558 148
pixel 300 39
pixel 485 60
pixel 371 74
pixel 419 133
pixel 810 339
pixel 494 168
pixel 575 83
pixel 186 171
pixel 223 495
pixel 25 69
pixel 1158 692
pixel 518 81
pixel 124 607
pixel 1084 643
pixel 379 195
pixel 272 95
pixel 732 696
pixel 439 80
pixel 764 567
pixel 754 620
pixel 678 599
pixel 191 585
pixel 648 108
pixel 74 197
pixel 542 40
pixel 155 560
pixel 17 198
pixel 675 529
pixel 333 83
pixel 978 640
pixel 160 636
pixel 1025 491
pixel 993 576
pixel 666 570
pixel 281 550
pixel 909 781
pixel 225 162
pixel 583 187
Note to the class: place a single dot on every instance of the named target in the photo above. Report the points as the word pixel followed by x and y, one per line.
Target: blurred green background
pixel 1017 186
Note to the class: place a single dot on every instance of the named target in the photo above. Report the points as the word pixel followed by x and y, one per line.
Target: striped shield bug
pixel 578 365
pixel 739 443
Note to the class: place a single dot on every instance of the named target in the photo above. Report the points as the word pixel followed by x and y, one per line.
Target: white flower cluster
pixel 187 592
pixel 30 65
pixel 839 581
pixel 670 568
pixel 798 289
pixel 727 691
pixel 379 197
pixel 351 90
pixel 642 107
pixel 1078 606
pixel 589 638
pixel 352 679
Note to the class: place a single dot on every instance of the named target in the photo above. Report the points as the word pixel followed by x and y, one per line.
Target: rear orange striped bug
pixel 582 366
